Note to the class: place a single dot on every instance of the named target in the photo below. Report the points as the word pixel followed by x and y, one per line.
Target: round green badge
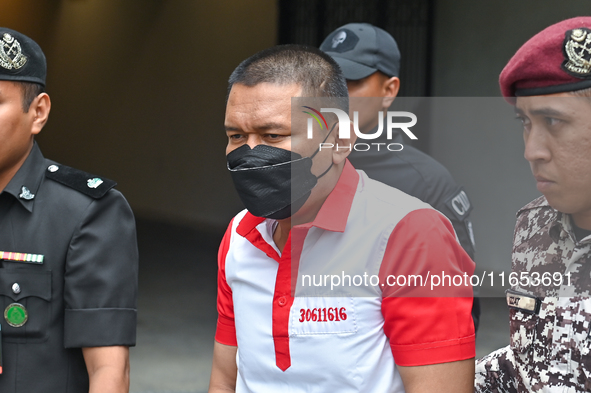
pixel 16 315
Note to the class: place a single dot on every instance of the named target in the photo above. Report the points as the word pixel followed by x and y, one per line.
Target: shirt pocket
pixel 523 331
pixel 323 315
pixel 32 290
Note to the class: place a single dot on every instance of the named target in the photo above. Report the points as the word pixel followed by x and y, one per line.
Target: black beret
pixel 21 59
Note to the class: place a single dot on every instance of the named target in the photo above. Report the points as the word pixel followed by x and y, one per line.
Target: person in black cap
pixel 68 251
pixel 370 60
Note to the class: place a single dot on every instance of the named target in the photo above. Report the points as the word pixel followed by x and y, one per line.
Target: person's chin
pixel 559 203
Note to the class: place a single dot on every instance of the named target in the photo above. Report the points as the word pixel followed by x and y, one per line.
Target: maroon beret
pixel 556 60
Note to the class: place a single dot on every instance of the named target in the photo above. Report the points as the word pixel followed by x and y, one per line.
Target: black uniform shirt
pixel 83 294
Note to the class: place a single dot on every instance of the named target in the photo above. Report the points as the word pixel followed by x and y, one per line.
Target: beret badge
pixel 11 56
pixel 577 53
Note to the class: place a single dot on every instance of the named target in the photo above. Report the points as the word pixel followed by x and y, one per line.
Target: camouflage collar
pixel 559 224
pixel 563 226
pixel 537 203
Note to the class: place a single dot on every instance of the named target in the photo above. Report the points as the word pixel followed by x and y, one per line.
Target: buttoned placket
pixel 334 218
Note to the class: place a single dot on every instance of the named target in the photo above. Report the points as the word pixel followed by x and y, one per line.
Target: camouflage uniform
pixel 549 351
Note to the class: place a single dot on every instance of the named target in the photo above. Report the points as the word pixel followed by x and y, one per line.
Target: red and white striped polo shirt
pixel 341 343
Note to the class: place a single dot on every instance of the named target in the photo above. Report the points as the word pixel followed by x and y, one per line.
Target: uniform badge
pixel 523 302
pixel 16 315
pixel 459 205
pixel 339 38
pixel 342 40
pixel 94 183
pixel 26 194
pixel 11 55
pixel 21 257
pixel 577 52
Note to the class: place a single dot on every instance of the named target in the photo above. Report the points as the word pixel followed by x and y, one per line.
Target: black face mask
pixel 272 182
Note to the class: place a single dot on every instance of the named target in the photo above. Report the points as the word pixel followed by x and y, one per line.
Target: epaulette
pixel 86 183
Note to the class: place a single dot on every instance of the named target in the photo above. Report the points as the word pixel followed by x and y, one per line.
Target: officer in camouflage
pixel 549 82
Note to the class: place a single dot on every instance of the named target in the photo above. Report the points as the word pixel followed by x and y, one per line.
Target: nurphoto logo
pixel 393 121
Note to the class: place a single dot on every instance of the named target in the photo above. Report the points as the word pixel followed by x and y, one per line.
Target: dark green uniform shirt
pixel 83 294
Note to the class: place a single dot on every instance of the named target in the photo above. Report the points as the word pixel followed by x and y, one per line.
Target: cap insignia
pixel 340 41
pixel 577 52
pixel 339 38
pixel 11 55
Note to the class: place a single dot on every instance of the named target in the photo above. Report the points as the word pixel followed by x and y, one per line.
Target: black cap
pixel 21 59
pixel 361 49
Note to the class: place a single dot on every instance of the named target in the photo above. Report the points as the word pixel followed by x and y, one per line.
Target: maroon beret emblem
pixel 577 53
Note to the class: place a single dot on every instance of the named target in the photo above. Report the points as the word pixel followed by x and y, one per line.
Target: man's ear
pixel 39 109
pixel 390 89
pixel 342 152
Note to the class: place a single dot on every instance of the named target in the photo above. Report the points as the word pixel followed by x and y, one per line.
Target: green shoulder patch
pixel 86 183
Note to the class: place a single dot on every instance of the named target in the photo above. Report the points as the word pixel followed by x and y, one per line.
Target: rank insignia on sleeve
pixel 577 52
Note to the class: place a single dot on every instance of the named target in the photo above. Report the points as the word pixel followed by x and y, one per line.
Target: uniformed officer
pixel 549 82
pixel 370 61
pixel 68 251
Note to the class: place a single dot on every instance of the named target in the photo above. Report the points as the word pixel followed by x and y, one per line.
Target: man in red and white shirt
pixel 311 216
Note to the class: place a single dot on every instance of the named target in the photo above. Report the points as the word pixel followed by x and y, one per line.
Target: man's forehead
pixel 261 96
pixel 265 91
pixel 559 102
pixel 262 106
pixel 8 86
pixel 259 117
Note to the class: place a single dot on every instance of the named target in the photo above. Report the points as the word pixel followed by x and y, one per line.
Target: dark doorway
pixel 410 22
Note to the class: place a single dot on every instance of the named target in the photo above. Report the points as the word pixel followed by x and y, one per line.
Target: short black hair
pixel 315 71
pixel 30 91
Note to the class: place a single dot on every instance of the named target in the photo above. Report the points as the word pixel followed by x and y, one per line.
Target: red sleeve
pixel 427 326
pixel 226 330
